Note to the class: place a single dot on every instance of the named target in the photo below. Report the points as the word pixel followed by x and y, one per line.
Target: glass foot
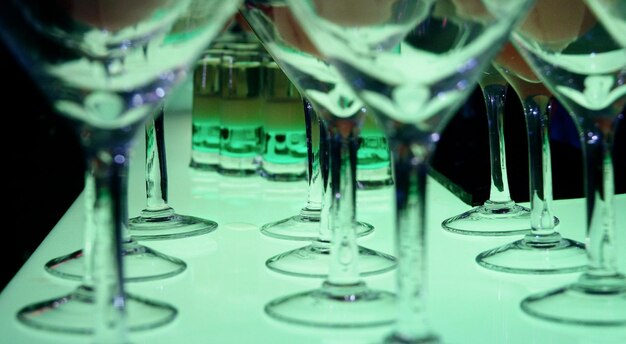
pixel 336 306
pixel 314 260
pixel 596 301
pixel 75 313
pixel 141 263
pixel 528 256
pixel 491 219
pixel 304 228
pixel 173 226
pixel 396 338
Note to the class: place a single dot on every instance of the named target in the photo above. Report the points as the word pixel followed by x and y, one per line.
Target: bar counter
pixel 220 297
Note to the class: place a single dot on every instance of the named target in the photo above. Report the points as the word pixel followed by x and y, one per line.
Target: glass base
pixel 594 301
pixel 140 263
pixel 314 260
pixel 491 219
pixel 75 313
pixel 173 226
pixel 305 228
pixel 395 338
pixel 336 306
pixel 528 256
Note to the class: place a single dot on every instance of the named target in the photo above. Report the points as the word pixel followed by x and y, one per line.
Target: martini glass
pixel 413 92
pixel 106 66
pixel 543 250
pixel 158 220
pixel 585 69
pixel 305 226
pixel 499 215
pixel 336 106
pixel 335 254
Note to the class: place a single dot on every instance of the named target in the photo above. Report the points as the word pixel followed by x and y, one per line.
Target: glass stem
pixel 495 94
pixel 90 230
pixel 344 249
pixel 536 111
pixel 156 169
pixel 311 210
pixel 599 187
pixel 410 180
pixel 109 171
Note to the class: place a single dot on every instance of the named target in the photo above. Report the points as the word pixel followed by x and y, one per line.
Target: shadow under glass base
pixel 536 255
pixel 305 227
pixel 336 306
pixel 141 263
pixel 491 219
pixel 593 301
pixel 159 225
pixel 75 313
pixel 314 260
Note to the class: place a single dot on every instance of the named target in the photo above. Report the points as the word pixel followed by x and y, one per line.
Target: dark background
pixel 44 166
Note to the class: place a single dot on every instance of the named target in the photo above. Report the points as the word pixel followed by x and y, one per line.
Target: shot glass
pixel 205 109
pixel 373 157
pixel 241 133
pixel 284 157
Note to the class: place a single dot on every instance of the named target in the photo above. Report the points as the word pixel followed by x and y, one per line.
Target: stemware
pixel 105 67
pixel 585 69
pixel 158 220
pixel 543 250
pixel 413 92
pixel 499 215
pixel 335 254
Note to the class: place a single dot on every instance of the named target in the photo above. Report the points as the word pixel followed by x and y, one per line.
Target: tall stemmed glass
pixel 585 69
pixel 336 105
pixel 335 254
pixel 105 66
pixel 158 220
pixel 543 250
pixel 306 224
pixel 499 215
pixel 413 93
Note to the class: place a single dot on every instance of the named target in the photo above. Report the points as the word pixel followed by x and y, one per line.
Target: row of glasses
pixel 106 67
pixel 542 250
pixel 579 58
pixel 413 92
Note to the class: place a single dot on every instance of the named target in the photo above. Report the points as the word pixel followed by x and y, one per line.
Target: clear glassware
pixel 499 215
pixel 159 221
pixel 543 250
pixel 305 226
pixel 335 254
pixel 413 92
pixel 105 66
pixel 585 69
pixel 373 166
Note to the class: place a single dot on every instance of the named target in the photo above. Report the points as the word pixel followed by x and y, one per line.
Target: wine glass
pixel 543 250
pixel 499 215
pixel 585 69
pixel 158 220
pixel 105 66
pixel 413 93
pixel 335 254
